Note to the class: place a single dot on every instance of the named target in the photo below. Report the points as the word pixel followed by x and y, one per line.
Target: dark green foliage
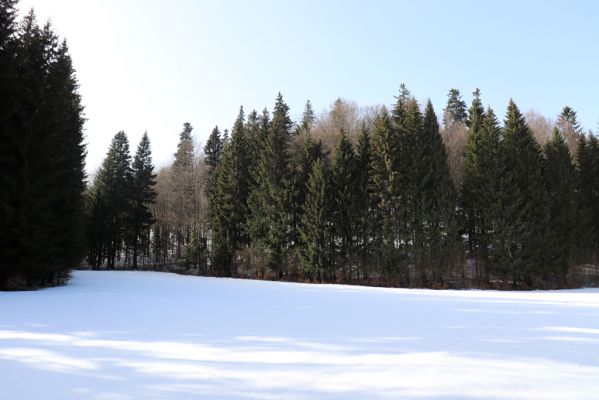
pixel 344 202
pixel 314 229
pixel 110 204
pixel 387 218
pixel 455 111
pixel 520 240
pixel 308 118
pixel 364 204
pixel 306 153
pixel 41 155
pixel 228 200
pixel 269 200
pixel 476 112
pixel 586 197
pixel 472 199
pixel 213 148
pixel 434 230
pixel 143 196
pixel 560 178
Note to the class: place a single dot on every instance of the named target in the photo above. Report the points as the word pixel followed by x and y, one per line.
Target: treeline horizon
pixel 382 197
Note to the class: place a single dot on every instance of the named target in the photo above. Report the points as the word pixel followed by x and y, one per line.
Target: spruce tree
pixel 314 229
pixel 585 228
pixel 525 212
pixel 386 217
pixel 308 118
pixel 143 195
pixel 560 178
pixel 307 151
pixel 455 111
pixel 364 203
pixel 41 154
pixel 111 203
pixel 8 132
pixel 486 196
pixel 435 196
pixel 343 174
pixel 213 148
pixel 471 207
pixel 269 201
pixel 228 213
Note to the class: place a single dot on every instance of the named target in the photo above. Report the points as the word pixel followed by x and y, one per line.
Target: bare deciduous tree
pixel 455 138
pixel 540 125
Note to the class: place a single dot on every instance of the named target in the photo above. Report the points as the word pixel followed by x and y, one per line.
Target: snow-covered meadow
pixel 141 335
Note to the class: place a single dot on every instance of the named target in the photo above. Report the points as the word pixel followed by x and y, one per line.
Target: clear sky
pixel 152 65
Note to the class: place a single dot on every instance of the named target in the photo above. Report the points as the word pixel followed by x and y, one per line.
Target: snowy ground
pixel 140 335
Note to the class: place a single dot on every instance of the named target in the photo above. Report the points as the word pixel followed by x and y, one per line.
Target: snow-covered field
pixel 141 335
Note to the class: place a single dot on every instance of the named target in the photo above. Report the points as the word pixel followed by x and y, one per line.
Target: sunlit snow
pixel 141 335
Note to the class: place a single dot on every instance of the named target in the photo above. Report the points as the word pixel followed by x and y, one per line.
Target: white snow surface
pixel 144 335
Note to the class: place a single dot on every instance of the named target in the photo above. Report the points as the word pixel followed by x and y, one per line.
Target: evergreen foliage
pixel 314 229
pixel 143 195
pixel 560 178
pixel 520 244
pixel 228 210
pixel 455 111
pixel 41 155
pixel 308 117
pixel 110 204
pixel 270 198
pixel 344 202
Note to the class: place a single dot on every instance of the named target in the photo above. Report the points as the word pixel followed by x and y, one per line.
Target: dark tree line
pixel 118 206
pixel 41 155
pixel 389 197
pixel 383 206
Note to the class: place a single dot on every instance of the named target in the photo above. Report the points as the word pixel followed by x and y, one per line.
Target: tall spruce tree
pixel 270 198
pixel 560 178
pixel 471 205
pixel 314 228
pixel 228 213
pixel 486 196
pixel 435 198
pixel 364 206
pixel 385 181
pixel 143 195
pixel 585 229
pixel 110 213
pixel 8 133
pixel 523 240
pixel 307 151
pixel 343 196
pixel 41 155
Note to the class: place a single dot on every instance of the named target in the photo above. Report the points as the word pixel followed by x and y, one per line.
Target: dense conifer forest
pixel 366 195
pixel 378 196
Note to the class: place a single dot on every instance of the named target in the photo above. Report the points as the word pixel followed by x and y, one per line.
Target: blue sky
pixel 152 65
